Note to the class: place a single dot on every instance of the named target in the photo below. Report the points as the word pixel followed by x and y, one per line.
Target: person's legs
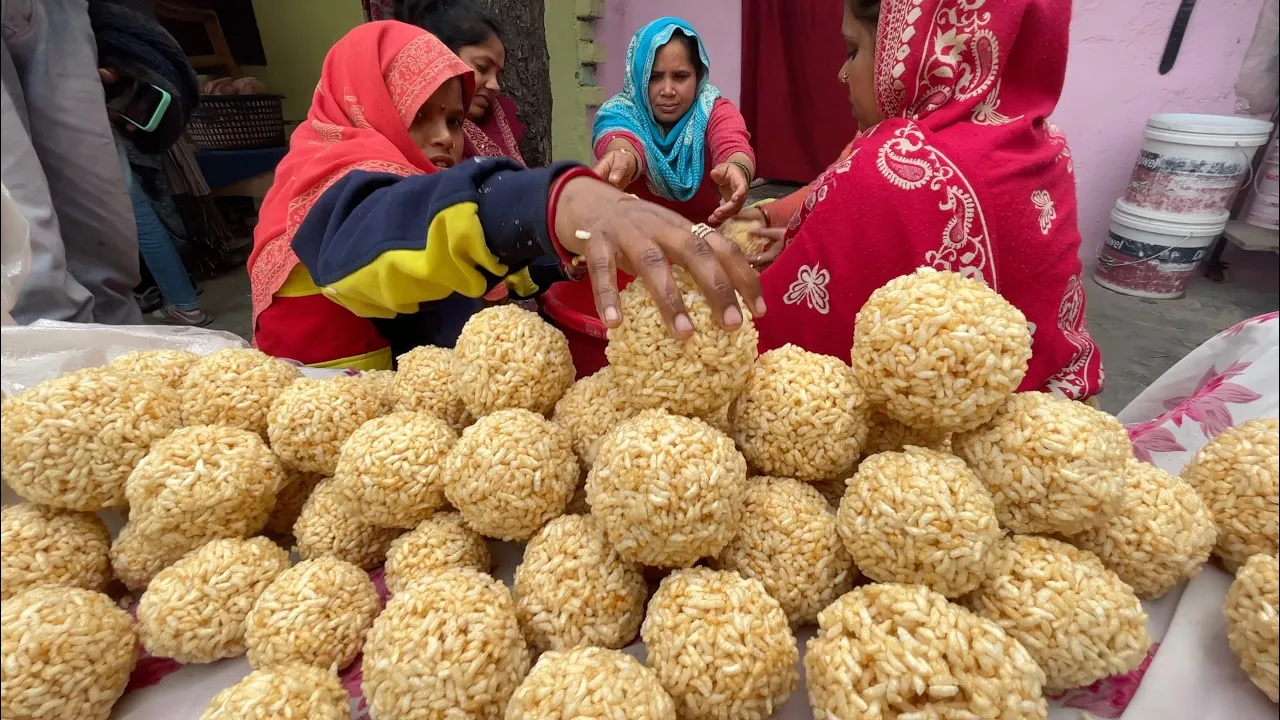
pixel 49 292
pixel 159 253
pixel 57 64
pixel 163 261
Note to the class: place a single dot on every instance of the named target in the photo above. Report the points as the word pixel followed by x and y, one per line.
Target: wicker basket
pixel 238 122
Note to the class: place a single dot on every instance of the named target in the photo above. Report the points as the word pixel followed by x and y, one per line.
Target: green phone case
pixel 158 115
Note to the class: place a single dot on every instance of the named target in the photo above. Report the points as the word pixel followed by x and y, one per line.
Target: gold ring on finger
pixel 702 230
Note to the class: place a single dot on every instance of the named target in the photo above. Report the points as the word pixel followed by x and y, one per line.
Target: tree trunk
pixel 528 76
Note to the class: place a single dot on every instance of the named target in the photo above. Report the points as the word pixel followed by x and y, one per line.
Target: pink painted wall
pixel 1113 86
pixel 1112 83
pixel 719 22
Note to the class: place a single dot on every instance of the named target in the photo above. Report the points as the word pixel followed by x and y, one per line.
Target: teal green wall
pixel 570 27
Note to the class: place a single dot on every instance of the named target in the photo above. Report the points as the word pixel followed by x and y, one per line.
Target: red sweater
pixel 726 134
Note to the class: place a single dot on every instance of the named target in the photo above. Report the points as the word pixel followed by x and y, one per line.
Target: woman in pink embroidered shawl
pixel 492 128
pixel 958 168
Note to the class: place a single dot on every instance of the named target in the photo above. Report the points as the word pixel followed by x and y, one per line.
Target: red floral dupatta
pixel 497 135
pixel 966 173
pixel 373 82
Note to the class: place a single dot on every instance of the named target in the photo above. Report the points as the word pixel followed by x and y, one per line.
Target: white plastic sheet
pixel 45 349
pixel 31 354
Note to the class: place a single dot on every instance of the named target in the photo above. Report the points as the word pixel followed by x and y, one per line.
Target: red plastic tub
pixel 571 306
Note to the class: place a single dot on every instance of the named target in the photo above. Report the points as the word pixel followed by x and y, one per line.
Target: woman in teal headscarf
pixel 669 137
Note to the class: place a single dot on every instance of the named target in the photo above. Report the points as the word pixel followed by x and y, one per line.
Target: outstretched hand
pixel 613 230
pixel 732 181
pixel 752 214
pixel 775 236
pixel 111 77
pixel 618 168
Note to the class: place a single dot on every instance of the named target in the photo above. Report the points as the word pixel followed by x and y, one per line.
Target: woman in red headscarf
pixel 957 168
pixel 365 249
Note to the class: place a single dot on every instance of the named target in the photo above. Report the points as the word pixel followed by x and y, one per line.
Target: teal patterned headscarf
pixel 676 159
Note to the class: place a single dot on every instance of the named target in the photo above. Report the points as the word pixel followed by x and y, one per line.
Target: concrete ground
pixel 1139 338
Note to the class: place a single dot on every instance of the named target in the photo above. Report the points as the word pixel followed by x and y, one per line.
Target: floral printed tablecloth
pixel 1233 377
pixel 1191 673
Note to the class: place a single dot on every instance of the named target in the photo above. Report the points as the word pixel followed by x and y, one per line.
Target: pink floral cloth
pixel 1188 673
pixel 151 670
pixel 1108 697
pixel 1209 405
pixel 1227 392
pixel 1231 378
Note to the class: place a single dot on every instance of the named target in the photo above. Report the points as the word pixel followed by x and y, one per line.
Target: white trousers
pixel 61 165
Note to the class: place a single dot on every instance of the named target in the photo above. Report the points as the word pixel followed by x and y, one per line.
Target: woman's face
pixel 437 129
pixel 858 71
pixel 489 60
pixel 673 83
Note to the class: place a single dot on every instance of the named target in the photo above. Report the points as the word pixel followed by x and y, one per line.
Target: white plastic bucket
pixel 1264 212
pixel 1268 182
pixel 1193 165
pixel 1152 254
pixel 1264 198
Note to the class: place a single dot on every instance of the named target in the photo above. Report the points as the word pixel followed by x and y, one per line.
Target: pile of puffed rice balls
pixel 953 549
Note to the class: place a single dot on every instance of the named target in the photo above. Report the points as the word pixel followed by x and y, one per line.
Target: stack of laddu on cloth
pixel 962 549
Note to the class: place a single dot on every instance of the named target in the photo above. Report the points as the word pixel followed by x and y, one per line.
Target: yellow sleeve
pixel 396 281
